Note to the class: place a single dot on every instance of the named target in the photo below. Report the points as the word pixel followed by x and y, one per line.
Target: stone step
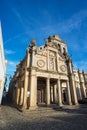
pixel 39 111
pixel 50 108
pixel 43 109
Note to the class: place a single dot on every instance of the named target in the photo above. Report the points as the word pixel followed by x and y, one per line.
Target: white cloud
pixel 74 22
pixel 9 52
pixel 12 63
pixel 11 67
pixel 18 15
pixel 15 37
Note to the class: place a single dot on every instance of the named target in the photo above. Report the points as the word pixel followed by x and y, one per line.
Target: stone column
pixel 59 93
pixel 48 59
pixel 18 94
pixel 70 67
pixel 48 91
pixel 33 90
pixel 82 84
pixel 57 60
pixel 83 89
pixel 69 95
pixel 26 78
pixel 55 93
pixel 26 81
pixel 73 91
pixel 72 81
pixel 21 96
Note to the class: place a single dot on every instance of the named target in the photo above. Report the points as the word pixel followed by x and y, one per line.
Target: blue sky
pixel 23 20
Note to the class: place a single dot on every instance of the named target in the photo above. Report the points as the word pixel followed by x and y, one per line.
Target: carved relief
pixel 44 53
pixel 51 63
pixel 52 54
pixel 40 63
pixel 41 52
pixel 76 78
pixel 60 59
pixel 63 68
pixel 51 45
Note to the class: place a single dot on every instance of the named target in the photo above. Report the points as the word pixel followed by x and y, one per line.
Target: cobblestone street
pixel 72 118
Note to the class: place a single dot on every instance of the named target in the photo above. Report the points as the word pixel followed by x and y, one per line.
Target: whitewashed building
pixel 2 65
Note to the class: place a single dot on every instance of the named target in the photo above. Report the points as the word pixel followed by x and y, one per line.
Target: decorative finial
pixel 33 43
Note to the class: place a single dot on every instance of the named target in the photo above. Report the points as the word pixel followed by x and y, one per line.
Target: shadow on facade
pixel 6 101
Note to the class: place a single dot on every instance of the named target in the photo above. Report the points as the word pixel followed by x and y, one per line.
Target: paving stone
pixel 74 118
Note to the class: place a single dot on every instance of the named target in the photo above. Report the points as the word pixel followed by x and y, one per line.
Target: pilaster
pixel 26 81
pixel 59 93
pixel 82 84
pixel 18 94
pixel 55 93
pixel 73 90
pixel 72 82
pixel 33 89
pixel 48 91
pixel 69 95
pixel 83 89
pixel 57 61
pixel 47 59
pixel 21 96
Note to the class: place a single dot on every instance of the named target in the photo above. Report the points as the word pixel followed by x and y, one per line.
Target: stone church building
pixel 46 76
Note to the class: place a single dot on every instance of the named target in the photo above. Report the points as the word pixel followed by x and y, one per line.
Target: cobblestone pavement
pixel 68 118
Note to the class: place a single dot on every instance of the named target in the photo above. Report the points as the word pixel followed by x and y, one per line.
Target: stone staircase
pixel 43 109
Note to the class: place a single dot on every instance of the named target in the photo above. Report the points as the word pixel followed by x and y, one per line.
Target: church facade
pixel 46 76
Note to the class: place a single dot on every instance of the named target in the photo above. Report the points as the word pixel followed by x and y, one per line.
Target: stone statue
pixel 33 43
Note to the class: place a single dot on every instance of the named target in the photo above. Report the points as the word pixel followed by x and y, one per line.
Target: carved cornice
pixel 47 71
pixel 32 68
